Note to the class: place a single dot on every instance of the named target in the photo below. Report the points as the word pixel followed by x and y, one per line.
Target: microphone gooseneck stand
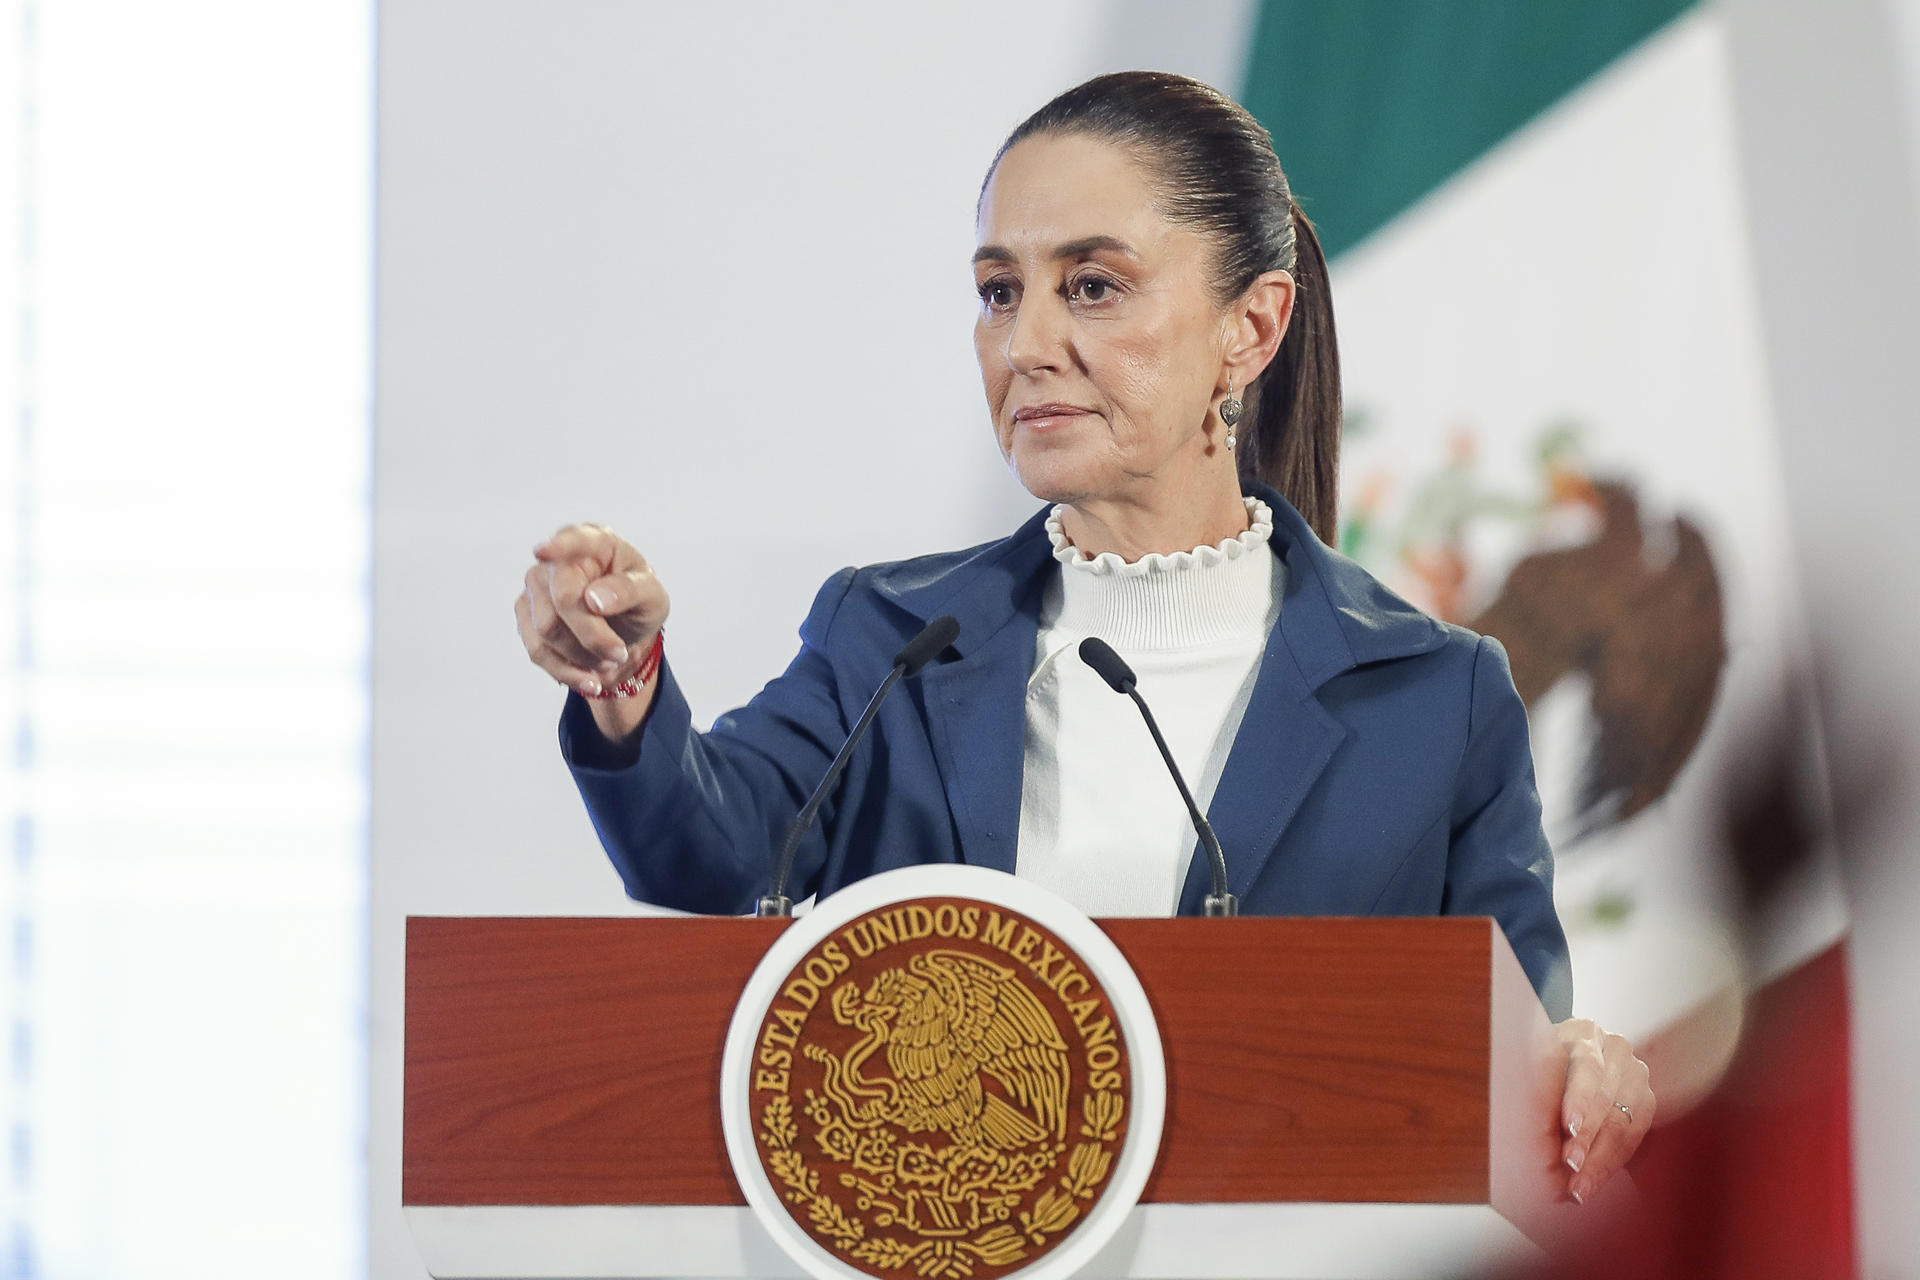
pixel 1112 668
pixel 919 651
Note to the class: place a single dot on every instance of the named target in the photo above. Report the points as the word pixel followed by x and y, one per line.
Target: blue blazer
pixel 1382 767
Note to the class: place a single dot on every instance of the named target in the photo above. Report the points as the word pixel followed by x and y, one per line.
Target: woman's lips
pixel 1046 417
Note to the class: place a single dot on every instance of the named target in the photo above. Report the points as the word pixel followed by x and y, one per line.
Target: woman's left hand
pixel 1607 1108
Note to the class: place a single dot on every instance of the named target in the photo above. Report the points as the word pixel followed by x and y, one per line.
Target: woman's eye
pixel 1092 289
pixel 996 295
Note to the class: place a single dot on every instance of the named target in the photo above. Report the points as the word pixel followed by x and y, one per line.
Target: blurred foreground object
pixel 1755 1179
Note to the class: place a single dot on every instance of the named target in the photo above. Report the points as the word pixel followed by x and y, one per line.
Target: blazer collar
pixel 1336 616
pixel 982 588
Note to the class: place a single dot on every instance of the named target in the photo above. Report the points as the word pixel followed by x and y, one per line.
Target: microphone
pixel 919 651
pixel 1112 668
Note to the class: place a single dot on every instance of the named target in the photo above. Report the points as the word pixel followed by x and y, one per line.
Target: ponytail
pixel 1294 444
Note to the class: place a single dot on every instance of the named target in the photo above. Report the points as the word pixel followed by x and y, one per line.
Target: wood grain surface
pixel 576 1061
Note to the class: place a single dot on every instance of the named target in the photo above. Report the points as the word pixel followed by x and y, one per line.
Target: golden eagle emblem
pixel 932 1105
pixel 949 1023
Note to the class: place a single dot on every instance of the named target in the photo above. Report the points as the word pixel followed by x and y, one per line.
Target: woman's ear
pixel 1258 323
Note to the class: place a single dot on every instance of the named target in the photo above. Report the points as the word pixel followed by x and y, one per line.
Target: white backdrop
pixel 700 273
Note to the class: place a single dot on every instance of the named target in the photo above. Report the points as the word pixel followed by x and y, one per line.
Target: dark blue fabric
pixel 1382 768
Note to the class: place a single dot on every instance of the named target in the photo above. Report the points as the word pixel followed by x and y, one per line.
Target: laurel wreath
pixel 1052 1213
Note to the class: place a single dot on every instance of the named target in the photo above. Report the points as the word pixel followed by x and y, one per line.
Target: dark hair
pixel 1215 170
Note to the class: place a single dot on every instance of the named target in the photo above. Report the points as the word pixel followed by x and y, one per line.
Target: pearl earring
pixel 1230 415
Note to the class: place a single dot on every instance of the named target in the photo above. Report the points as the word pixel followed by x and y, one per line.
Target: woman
pixel 1157 348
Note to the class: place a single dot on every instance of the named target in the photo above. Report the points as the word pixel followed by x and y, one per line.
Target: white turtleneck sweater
pixel 1101 823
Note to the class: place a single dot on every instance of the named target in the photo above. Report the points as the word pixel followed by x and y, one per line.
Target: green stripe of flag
pixel 1374 103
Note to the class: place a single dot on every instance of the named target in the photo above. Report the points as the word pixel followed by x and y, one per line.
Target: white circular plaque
pixel 943 1071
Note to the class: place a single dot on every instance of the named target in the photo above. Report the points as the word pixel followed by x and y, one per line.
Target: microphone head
pixel 1110 666
pixel 926 646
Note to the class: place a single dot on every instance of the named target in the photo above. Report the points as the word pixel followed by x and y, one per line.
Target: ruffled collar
pixel 1211 594
pixel 1258 534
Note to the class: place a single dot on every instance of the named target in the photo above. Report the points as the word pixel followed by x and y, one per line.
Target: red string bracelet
pixel 640 679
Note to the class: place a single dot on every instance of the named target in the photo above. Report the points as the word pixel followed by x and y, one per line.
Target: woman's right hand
pixel 589 613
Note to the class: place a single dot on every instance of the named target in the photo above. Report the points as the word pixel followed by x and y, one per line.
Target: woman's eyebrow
pixel 1071 249
pixel 1087 245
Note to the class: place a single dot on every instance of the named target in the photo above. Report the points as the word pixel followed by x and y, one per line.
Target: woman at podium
pixel 1156 343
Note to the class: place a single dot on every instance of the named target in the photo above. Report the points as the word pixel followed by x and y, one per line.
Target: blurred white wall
pixel 185 238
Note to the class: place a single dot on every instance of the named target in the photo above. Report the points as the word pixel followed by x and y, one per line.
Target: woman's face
pixel 1100 343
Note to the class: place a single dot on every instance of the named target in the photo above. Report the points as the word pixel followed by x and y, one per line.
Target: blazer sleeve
pixel 692 820
pixel 1498 860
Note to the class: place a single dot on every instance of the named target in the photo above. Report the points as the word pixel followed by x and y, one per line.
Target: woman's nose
pixel 1038 337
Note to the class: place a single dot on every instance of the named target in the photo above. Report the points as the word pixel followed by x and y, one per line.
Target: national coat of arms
pixel 940 1088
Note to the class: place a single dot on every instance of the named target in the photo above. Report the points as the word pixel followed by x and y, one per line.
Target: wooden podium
pixel 1344 1098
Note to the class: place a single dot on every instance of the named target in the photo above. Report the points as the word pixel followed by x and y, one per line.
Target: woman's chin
pixel 1049 487
pixel 1054 475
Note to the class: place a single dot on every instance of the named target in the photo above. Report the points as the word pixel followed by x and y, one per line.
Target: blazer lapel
pixel 976 712
pixel 976 703
pixel 1333 617
pixel 1284 744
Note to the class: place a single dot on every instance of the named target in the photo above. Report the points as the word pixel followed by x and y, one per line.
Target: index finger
pixel 593 542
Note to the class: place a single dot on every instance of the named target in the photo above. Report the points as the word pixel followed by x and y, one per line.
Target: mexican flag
pixel 1559 433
